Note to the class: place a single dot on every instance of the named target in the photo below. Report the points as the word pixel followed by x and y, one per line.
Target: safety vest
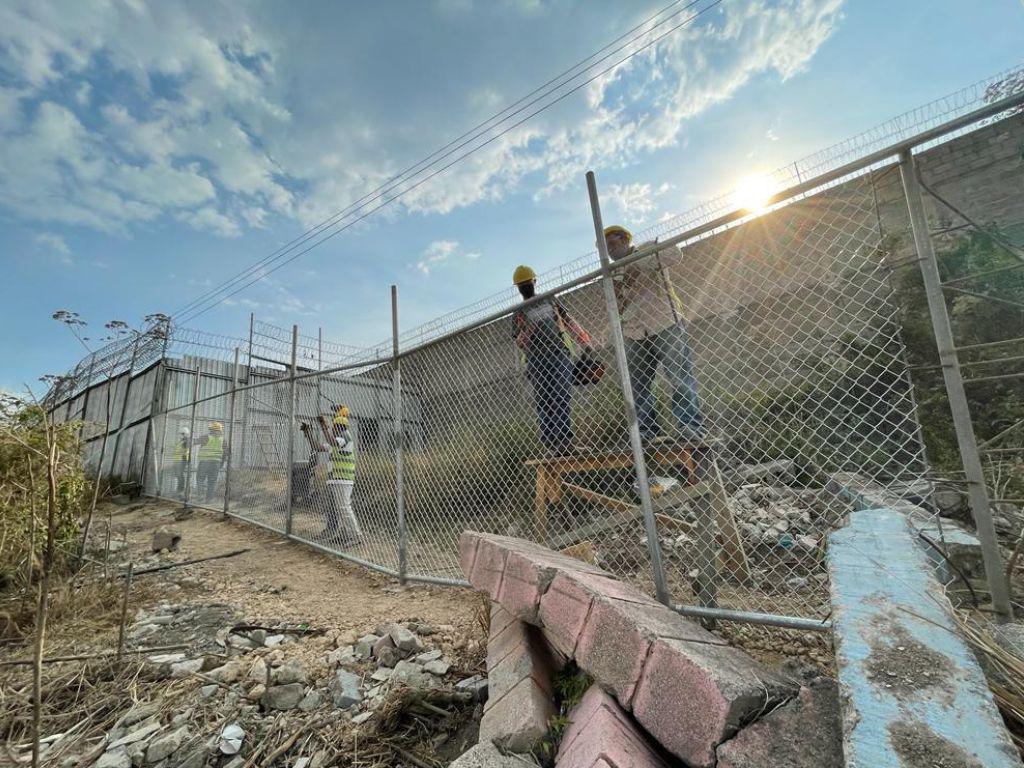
pixel 180 451
pixel 343 465
pixel 212 449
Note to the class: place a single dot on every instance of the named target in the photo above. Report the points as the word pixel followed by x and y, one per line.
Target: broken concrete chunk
pixel 311 701
pixel 116 757
pixel 434 655
pixel 292 671
pixel 486 755
pixel 405 639
pixel 364 646
pixel 389 656
pixel 344 688
pixel 382 644
pixel 411 674
pixel 166 745
pixel 282 697
pixel 477 685
pixel 437 667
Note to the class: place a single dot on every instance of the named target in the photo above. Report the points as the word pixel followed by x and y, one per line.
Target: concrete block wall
pixel 666 689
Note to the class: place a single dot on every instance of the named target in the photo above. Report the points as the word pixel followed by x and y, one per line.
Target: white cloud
pixel 633 203
pixel 55 243
pixel 442 251
pixel 216 128
pixel 212 220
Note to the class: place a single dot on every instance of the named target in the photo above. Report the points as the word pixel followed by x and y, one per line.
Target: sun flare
pixel 753 193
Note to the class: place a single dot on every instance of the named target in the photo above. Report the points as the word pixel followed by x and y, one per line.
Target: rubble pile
pixel 251 682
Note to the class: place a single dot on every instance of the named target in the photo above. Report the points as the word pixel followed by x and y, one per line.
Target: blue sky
pixel 151 150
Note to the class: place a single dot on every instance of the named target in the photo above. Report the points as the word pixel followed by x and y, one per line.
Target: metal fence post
pixel 981 510
pixel 124 403
pixel 192 436
pixel 235 372
pixel 399 433
pixel 291 429
pixel 650 526
pixel 248 400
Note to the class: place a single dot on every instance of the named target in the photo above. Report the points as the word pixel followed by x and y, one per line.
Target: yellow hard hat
pixel 615 229
pixel 341 415
pixel 216 427
pixel 523 274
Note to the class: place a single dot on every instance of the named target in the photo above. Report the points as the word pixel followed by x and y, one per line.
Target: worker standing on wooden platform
pixel 547 337
pixel 652 322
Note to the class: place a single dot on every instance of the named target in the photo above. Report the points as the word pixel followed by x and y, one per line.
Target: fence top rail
pixel 892 151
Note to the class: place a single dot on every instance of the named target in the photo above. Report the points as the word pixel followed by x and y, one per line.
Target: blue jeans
pixel 671 350
pixel 551 374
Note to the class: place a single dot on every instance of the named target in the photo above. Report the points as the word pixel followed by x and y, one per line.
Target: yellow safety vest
pixel 343 465
pixel 212 449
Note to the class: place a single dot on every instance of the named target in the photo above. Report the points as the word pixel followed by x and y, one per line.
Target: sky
pixel 151 150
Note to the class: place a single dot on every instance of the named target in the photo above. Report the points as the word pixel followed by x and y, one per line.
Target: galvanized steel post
pixel 619 342
pixel 124 402
pixel 191 437
pixel 235 373
pixel 291 430
pixel 399 436
pixel 977 492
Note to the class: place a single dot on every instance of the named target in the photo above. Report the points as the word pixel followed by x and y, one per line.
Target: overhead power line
pixel 418 167
pixel 258 271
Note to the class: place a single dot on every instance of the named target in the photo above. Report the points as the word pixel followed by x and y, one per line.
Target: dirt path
pixel 278 580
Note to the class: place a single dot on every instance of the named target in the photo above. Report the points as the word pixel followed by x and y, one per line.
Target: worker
pixel 652 322
pixel 211 455
pixel 547 336
pixel 179 462
pixel 339 461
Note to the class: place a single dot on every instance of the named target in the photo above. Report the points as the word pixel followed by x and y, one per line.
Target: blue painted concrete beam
pixel 912 692
pixel 961 547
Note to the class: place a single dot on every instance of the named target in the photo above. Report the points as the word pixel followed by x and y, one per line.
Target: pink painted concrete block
pixel 528 659
pixel 488 567
pixel 500 618
pixel 601 733
pixel 692 696
pixel 563 613
pixel 503 643
pixel 467 552
pixel 617 637
pixel 518 721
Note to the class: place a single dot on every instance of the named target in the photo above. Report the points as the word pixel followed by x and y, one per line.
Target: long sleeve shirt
pixel 647 301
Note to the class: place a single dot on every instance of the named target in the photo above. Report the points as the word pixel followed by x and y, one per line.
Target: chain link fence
pixel 684 416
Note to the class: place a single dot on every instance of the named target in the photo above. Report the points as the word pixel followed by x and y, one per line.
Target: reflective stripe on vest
pixel 212 449
pixel 180 452
pixel 343 465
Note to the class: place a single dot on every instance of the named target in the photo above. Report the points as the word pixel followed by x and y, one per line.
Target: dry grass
pixel 1004 668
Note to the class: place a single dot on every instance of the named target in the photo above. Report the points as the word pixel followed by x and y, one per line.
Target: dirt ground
pixel 281 581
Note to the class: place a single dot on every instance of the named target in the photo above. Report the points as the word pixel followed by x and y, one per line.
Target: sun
pixel 753 193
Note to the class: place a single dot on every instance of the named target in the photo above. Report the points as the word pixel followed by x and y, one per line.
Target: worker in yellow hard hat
pixel 336 465
pixel 210 458
pixel 547 337
pixel 179 462
pixel 653 323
